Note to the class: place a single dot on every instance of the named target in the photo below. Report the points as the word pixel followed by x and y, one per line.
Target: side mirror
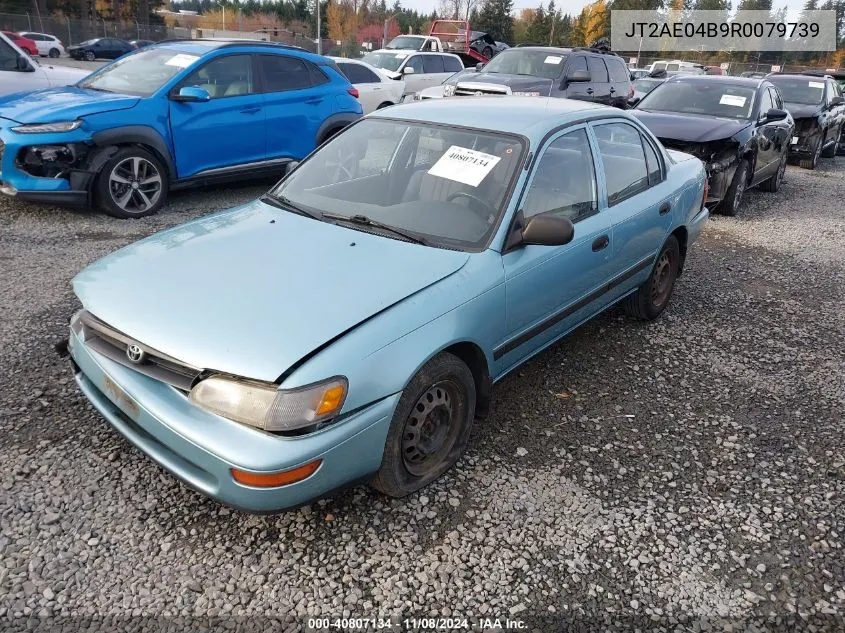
pixel 633 101
pixel 837 101
pixel 578 76
pixel 774 115
pixel 408 70
pixel 548 230
pixel 191 94
pixel 22 64
pixel 289 167
pixel 479 66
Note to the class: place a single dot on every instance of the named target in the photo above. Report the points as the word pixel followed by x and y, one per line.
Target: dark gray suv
pixel 589 74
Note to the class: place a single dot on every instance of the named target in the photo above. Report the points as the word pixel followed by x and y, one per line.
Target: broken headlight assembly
pixel 42 128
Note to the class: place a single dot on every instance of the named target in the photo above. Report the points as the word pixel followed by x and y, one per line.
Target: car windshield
pixel 705 97
pixel 646 85
pixel 803 90
pixel 387 61
pixel 406 42
pixel 140 74
pixel 444 186
pixel 527 62
pixel 452 80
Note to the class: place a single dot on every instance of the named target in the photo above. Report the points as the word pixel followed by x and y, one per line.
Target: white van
pixel 677 66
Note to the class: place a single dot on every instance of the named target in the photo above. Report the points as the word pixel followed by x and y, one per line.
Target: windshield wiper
pixel 281 202
pixel 363 220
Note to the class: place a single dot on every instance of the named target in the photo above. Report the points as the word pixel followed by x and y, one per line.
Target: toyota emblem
pixel 135 354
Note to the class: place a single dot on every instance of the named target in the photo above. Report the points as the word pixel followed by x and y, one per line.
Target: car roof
pixel 410 52
pixel 747 82
pixel 204 46
pixel 530 116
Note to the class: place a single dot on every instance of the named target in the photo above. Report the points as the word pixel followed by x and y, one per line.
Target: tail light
pixel 354 92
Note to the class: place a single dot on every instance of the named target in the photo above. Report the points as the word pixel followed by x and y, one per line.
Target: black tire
pixel 89 56
pixel 733 198
pixel 773 184
pixel 830 150
pixel 487 52
pixel 109 192
pixel 54 53
pixel 812 163
pixel 649 301
pixel 386 104
pixel 422 444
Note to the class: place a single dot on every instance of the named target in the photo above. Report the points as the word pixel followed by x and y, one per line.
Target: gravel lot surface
pixel 689 469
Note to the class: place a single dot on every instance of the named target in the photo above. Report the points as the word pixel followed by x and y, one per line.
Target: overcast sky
pixel 574 6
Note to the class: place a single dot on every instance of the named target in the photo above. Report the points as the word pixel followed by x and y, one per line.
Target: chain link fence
pixel 72 31
pixel 733 67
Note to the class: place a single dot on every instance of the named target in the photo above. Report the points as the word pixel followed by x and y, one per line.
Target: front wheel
pixel 89 56
pixel 812 163
pixel 54 53
pixel 649 301
pixel 132 184
pixel 733 198
pixel 430 427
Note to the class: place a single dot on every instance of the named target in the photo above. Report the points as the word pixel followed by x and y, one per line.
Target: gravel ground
pixel 689 470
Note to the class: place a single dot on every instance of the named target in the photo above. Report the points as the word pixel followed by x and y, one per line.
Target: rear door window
pixel 617 69
pixel 452 64
pixel 282 73
pixel 433 64
pixel 358 74
pixel 598 71
pixel 625 167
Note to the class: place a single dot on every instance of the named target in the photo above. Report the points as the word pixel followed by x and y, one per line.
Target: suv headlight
pixel 532 93
pixel 39 128
pixel 449 90
pixel 266 407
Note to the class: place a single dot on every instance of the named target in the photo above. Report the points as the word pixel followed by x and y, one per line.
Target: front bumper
pixel 201 448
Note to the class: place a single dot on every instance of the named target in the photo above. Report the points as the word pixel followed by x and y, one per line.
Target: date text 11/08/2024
pixel 416 624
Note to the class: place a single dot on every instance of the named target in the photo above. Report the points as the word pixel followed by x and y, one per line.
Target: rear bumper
pixel 201 448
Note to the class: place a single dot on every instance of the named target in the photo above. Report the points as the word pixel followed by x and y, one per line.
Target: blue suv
pixel 169 116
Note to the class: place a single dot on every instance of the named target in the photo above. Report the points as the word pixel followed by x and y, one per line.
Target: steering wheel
pixel 465 194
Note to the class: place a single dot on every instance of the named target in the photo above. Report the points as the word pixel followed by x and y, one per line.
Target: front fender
pixel 141 134
pixel 381 356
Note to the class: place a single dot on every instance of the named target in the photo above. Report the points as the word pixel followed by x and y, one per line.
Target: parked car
pixel 636 73
pixel 170 116
pixel 23 43
pixel 643 86
pixel 424 43
pixel 447 88
pixel 584 74
pixel 454 256
pixel 374 89
pixel 416 70
pixel 47 45
pixel 818 108
pixel 676 65
pixel 136 44
pixel 482 42
pixel 737 127
pixel 21 73
pixel 100 48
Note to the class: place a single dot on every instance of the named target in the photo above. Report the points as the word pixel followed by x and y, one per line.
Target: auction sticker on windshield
pixel 553 59
pixel 464 165
pixel 817 84
pixel 732 100
pixel 181 60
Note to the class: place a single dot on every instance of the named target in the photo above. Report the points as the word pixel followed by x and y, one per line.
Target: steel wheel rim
pixel 431 429
pixel 662 278
pixel 135 185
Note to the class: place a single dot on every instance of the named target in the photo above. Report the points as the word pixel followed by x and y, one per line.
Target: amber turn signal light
pixel 274 480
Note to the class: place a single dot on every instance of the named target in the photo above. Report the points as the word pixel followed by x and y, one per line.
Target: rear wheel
pixel 733 198
pixel 132 184
pixel 54 52
pixel 430 426
pixel 773 184
pixel 649 301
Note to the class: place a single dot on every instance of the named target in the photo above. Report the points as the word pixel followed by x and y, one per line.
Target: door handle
pixel 589 91
pixel 250 110
pixel 600 243
pixel 665 208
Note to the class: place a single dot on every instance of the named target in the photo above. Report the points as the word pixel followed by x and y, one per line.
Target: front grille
pixel 113 344
pixel 480 89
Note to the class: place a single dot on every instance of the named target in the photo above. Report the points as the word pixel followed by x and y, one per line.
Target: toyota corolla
pixel 349 325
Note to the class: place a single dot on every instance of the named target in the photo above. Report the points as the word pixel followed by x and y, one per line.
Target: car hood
pixel 253 290
pixel 61 104
pixel 802 110
pixel 517 83
pixel 689 128
pixel 62 75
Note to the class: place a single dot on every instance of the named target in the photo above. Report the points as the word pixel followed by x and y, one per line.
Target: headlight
pixel 38 128
pixel 267 407
pixel 449 90
pixel 526 94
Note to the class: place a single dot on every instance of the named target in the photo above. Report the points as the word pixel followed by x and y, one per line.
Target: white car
pixel 374 89
pixel 417 71
pixel 20 73
pixel 47 45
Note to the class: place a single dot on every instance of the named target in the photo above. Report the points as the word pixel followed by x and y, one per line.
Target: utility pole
pixel 319 37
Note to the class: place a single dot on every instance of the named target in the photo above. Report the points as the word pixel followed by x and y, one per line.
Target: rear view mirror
pixel 579 76
pixel 548 230
pixel 188 94
pixel 633 101
pixel 408 70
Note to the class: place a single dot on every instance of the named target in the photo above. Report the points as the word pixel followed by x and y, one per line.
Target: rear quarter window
pixel 617 69
pixel 598 71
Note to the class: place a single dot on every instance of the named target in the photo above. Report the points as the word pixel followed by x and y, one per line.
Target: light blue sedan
pixel 349 325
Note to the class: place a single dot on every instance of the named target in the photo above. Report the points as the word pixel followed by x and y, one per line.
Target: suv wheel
pixel 812 163
pixel 132 184
pixel 54 52
pixel 733 198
